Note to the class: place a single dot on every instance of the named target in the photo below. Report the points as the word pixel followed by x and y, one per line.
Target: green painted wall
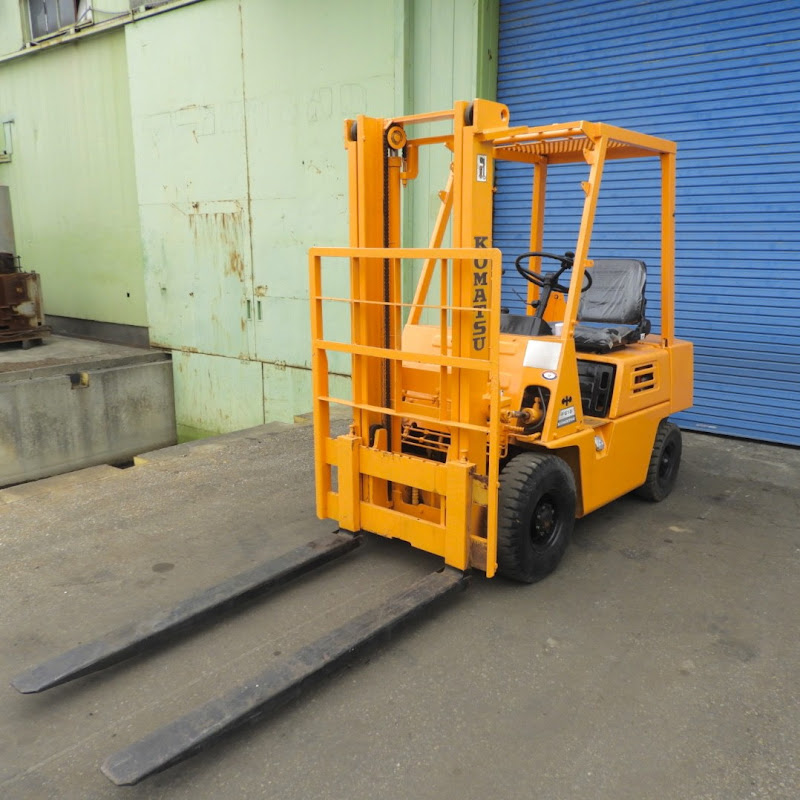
pixel 190 152
pixel 201 154
pixel 10 27
pixel 72 177
pixel 240 169
pixel 341 60
pixel 443 69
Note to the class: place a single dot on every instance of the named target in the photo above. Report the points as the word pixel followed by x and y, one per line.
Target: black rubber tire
pixel 665 461
pixel 535 517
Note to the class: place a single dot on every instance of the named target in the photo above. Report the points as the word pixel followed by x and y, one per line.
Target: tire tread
pixel 650 489
pixel 516 480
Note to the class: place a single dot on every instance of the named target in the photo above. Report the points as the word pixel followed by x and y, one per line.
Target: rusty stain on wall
pixel 236 264
pixel 217 228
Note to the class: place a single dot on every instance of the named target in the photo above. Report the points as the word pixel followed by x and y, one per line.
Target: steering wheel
pixel 550 279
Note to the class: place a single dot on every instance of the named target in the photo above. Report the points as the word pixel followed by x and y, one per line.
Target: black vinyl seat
pixel 524 325
pixel 613 306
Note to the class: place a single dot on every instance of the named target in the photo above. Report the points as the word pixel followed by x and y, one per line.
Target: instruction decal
pixel 566 416
pixel 481 172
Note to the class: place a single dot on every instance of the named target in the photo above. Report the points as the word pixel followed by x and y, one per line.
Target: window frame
pixel 78 19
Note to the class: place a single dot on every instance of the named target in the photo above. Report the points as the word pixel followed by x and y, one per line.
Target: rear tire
pixel 535 516
pixel 665 461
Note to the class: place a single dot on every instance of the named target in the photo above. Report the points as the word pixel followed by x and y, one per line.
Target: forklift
pixel 475 434
pixel 480 435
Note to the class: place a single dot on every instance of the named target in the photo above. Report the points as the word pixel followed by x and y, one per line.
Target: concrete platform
pixel 660 661
pixel 73 403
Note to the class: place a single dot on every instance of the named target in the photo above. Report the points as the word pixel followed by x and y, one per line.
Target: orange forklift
pixel 476 435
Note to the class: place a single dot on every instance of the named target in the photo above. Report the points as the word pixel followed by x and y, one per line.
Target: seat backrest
pixel 617 292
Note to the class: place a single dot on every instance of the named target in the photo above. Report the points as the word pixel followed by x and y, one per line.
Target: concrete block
pixel 61 418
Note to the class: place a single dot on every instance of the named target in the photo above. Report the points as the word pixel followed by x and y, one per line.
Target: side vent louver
pixel 644 378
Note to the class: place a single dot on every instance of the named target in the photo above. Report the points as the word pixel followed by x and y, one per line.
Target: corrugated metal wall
pixel 73 186
pixel 721 79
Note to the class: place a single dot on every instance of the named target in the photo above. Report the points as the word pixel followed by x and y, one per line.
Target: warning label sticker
pixel 566 416
pixel 481 173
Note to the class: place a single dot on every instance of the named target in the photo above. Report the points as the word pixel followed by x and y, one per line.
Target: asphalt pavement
pixel 661 660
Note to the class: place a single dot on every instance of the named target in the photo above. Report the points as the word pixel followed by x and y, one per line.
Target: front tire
pixel 665 461
pixel 535 517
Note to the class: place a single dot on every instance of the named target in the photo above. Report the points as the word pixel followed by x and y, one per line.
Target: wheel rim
pixel 544 523
pixel 666 465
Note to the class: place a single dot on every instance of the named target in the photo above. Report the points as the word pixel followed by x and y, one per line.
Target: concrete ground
pixel 661 660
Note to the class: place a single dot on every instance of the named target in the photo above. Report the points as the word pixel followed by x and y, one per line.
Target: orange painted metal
pixel 436 400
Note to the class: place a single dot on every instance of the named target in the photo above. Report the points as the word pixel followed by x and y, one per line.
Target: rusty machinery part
pixel 8 263
pixel 396 137
pixel 21 310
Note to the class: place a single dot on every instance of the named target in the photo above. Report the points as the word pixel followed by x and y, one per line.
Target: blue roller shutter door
pixel 723 80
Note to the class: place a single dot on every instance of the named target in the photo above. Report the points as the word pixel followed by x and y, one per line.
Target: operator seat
pixel 613 306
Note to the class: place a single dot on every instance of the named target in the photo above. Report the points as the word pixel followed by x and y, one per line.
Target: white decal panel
pixel 542 355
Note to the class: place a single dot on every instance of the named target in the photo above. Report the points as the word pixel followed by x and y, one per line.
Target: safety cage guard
pixel 421 466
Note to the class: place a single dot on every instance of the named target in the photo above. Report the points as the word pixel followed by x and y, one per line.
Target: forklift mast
pixel 444 401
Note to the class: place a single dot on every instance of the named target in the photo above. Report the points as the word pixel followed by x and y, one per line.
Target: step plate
pixel 277 685
pixel 131 639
